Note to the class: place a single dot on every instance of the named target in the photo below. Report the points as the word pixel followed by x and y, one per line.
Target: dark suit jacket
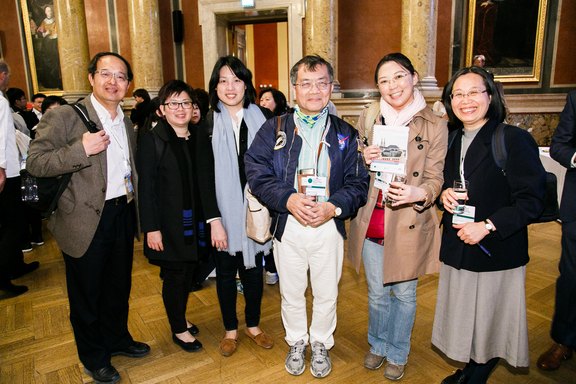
pixel 562 150
pixel 510 201
pixel 58 149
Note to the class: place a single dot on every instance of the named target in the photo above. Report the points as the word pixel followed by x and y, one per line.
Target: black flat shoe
pixel 457 378
pixel 8 290
pixel 193 330
pixel 24 269
pixel 106 375
pixel 136 349
pixel 194 346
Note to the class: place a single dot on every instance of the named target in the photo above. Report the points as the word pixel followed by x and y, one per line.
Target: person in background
pixel 308 223
pixel 140 111
pixel 24 120
pixel 480 314
pixel 167 156
pixel 479 61
pixel 12 265
pixel 52 102
pixel 274 100
pixel 563 331
pixel 37 100
pixel 96 221
pixel 230 127
pixel 398 242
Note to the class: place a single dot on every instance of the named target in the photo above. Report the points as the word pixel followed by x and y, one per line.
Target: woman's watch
pixel 489 226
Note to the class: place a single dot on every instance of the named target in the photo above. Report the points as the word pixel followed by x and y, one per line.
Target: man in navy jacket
pixel 307 170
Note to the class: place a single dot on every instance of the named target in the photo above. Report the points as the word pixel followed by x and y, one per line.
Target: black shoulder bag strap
pixel 65 178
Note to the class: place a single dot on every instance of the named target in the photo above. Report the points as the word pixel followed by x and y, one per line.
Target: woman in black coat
pixel 169 211
pixel 481 309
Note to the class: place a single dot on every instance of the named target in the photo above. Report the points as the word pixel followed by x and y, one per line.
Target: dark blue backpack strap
pixel 499 151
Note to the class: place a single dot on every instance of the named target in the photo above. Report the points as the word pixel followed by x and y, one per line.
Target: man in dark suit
pixel 95 222
pixel 563 332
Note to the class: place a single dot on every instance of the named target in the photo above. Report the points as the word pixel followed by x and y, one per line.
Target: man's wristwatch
pixel 337 211
pixel 488 226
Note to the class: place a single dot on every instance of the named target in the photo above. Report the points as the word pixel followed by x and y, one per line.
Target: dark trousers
pixel 478 373
pixel 252 281
pixel 99 287
pixel 269 263
pixel 32 225
pixel 11 223
pixel 564 320
pixel 175 289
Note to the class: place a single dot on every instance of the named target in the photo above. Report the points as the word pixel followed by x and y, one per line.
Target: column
pixel 73 48
pixel 321 33
pixel 145 43
pixel 419 19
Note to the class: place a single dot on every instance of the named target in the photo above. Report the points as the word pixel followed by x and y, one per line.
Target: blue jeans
pixel 391 308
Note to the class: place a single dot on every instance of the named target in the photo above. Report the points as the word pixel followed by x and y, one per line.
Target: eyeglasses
pixel 173 105
pixel 107 75
pixel 307 85
pixel 459 96
pixel 395 79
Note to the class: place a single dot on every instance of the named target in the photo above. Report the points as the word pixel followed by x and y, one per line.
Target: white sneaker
pixel 320 364
pixel 271 278
pixel 295 361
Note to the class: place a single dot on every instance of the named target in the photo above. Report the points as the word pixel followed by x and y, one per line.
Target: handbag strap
pixel 83 113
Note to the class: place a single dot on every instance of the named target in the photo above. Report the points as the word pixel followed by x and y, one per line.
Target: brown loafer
pixel 228 346
pixel 552 358
pixel 261 339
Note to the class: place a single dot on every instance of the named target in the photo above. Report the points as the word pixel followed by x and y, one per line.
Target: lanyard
pixel 320 145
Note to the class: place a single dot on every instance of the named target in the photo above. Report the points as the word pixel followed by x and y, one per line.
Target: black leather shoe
pixel 196 287
pixel 106 375
pixel 136 349
pixel 193 330
pixel 457 378
pixel 24 269
pixel 8 290
pixel 194 346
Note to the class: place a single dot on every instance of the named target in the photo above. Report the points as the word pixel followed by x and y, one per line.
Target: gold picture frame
pixel 41 33
pixel 510 35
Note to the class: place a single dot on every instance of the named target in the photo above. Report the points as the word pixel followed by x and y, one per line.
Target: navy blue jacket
pixel 271 173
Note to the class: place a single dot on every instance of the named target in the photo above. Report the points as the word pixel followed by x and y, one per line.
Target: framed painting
pixel 41 32
pixel 509 36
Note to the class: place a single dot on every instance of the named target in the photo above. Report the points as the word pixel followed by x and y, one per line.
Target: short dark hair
pixel 37 96
pixel 399 59
pixel 241 71
pixel 310 62
pixel 93 66
pixel 52 100
pixel 496 110
pixel 13 94
pixel 4 67
pixel 141 92
pixel 279 99
pixel 175 87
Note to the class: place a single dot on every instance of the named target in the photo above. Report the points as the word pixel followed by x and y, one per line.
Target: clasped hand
pixel 309 212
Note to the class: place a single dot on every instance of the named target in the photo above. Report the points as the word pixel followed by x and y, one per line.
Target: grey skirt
pixel 482 315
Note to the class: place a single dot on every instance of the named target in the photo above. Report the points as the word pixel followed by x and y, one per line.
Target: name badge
pixel 314 185
pixel 382 181
pixel 465 217
pixel 129 187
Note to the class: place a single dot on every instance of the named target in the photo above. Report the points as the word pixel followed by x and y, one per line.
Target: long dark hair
pixel 496 109
pixel 241 71
pixel 279 99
